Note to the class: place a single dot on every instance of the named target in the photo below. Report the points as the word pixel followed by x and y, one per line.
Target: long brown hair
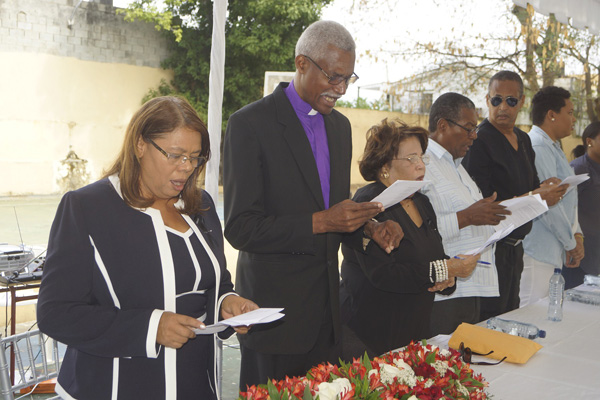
pixel 155 119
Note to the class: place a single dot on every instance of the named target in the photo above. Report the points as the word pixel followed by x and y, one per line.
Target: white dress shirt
pixel 452 190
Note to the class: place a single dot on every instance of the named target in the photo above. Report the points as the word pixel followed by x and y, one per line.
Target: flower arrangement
pixel 417 372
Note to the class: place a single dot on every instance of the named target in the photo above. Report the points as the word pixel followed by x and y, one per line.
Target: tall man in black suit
pixel 286 185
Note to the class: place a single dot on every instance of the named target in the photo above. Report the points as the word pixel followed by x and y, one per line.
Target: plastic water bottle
pixel 515 328
pixel 555 293
pixel 583 297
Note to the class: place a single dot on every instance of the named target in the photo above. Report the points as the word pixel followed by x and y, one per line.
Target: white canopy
pixel 583 13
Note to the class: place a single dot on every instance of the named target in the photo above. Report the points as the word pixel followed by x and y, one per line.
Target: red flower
pixel 429 384
pixel 425 370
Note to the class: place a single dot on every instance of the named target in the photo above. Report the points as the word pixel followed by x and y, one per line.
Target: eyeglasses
pixel 415 159
pixel 180 159
pixel 466 353
pixel 336 79
pixel 497 100
pixel 469 130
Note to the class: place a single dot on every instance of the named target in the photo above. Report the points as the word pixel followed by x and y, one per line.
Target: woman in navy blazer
pixel 135 263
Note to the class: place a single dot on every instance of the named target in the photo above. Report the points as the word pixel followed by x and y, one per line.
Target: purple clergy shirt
pixel 314 126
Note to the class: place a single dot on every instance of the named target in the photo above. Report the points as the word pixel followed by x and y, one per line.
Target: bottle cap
pixel 557 270
pixel 542 333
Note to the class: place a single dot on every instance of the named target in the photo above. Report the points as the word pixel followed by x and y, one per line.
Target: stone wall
pixel 69 91
pixel 91 32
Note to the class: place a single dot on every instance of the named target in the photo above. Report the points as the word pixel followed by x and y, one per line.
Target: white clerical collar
pixel 313 112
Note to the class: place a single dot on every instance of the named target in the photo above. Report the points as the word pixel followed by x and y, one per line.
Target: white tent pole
pixel 215 115
pixel 215 97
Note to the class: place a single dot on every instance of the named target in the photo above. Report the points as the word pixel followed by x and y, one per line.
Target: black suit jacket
pixel 103 286
pixel 271 190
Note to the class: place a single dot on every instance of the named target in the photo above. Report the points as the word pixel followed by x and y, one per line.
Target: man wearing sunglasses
pixel 286 187
pixel 502 160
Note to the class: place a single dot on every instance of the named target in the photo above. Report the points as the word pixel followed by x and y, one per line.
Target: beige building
pixel 71 78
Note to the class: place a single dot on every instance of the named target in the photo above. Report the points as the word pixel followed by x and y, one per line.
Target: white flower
pixel 413 397
pixel 401 364
pixel 445 352
pixel 463 390
pixel 334 390
pixel 372 372
pixel 405 375
pixel 441 367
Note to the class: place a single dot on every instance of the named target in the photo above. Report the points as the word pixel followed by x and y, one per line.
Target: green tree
pixel 260 36
pixel 361 102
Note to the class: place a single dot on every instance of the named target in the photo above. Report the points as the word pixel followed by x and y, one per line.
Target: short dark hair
pixel 157 118
pixel 507 76
pixel 448 106
pixel 383 142
pixel 590 132
pixel 546 99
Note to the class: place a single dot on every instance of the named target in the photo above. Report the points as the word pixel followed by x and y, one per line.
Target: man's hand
pixel 462 266
pixel 174 330
pixel 575 255
pixel 235 305
pixel 483 212
pixel 386 234
pixel 551 191
pixel 346 216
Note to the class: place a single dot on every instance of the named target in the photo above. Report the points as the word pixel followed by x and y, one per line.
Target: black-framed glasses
pixel 336 79
pixel 415 158
pixel 180 159
pixel 466 354
pixel 469 130
pixel 497 100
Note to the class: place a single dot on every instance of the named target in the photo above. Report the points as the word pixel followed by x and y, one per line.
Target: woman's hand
pixel 174 330
pixel 386 234
pixel 235 305
pixel 439 286
pixel 463 266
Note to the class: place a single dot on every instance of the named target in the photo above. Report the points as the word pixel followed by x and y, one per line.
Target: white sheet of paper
pixel 259 316
pixel 575 180
pixel 523 210
pixel 498 235
pixel 398 191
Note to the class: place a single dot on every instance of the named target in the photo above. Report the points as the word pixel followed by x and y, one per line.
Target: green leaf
pixel 273 392
pixel 307 395
pixel 430 358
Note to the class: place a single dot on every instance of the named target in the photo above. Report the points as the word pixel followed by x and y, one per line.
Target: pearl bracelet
pixel 441 271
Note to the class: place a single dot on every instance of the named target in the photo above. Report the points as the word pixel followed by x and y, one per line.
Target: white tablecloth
pixel 567 367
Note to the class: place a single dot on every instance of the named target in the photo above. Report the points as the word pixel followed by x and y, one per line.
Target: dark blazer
pixel 107 279
pixel 271 190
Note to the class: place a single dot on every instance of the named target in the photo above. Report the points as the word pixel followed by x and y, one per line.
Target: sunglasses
pixel 497 100
pixel 466 353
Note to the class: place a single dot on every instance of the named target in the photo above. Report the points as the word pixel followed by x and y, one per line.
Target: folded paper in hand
pixel 575 180
pixel 516 349
pixel 398 191
pixel 496 236
pixel 523 209
pixel 260 316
